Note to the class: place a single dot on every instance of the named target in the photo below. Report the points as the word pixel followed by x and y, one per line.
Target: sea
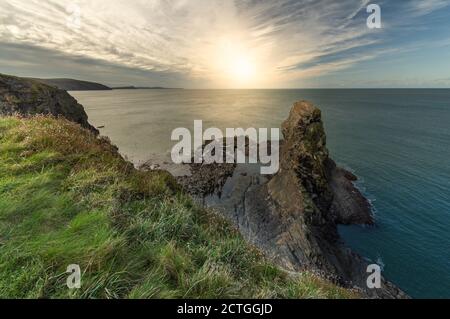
pixel 397 141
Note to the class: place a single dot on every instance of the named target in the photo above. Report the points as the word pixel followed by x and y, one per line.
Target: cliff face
pixel 293 215
pixel 29 97
pixel 309 196
pixel 326 192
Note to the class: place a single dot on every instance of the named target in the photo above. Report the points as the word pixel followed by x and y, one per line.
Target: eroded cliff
pixel 29 97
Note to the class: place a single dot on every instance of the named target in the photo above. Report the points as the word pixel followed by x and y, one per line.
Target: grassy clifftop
pixel 67 197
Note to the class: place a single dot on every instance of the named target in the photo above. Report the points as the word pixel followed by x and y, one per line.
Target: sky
pixel 228 43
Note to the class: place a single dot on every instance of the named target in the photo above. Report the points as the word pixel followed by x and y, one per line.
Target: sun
pixel 234 63
pixel 242 69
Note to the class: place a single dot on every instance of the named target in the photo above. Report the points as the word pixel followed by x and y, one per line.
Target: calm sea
pixel 396 141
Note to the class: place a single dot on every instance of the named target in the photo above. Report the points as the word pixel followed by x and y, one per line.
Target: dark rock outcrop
pixel 305 163
pixel 293 215
pixel 29 97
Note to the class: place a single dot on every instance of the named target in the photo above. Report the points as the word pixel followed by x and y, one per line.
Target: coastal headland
pixel 145 229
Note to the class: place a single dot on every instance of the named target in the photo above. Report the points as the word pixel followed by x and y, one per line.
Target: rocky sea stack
pixel 293 215
pixel 30 97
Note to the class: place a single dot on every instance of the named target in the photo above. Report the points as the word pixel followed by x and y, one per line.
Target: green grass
pixel 67 197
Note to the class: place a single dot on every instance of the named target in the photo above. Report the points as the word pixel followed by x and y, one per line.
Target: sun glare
pixel 242 69
pixel 235 64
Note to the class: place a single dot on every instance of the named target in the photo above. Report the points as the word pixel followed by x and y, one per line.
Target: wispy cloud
pixel 287 39
pixel 422 7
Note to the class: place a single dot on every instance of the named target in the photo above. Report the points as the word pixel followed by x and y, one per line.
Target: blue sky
pixel 227 44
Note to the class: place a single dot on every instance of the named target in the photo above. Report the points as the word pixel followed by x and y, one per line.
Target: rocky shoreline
pixel 293 215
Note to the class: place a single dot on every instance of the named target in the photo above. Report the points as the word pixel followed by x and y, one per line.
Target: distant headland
pixel 80 85
pixel 73 85
pixel 131 87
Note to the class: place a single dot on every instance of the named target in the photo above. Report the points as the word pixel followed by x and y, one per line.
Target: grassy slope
pixel 67 197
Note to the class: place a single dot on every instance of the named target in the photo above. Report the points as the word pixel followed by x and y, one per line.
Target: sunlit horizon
pixel 231 44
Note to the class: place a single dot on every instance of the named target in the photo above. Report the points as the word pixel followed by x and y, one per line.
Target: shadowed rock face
pixel 309 196
pixel 293 215
pixel 29 97
pixel 326 191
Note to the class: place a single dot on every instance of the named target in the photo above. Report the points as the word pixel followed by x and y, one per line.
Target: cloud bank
pixel 197 40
